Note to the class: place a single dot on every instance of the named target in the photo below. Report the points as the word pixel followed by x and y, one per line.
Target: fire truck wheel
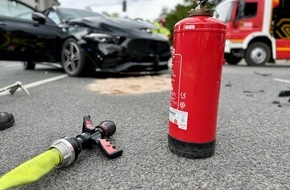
pixel 257 54
pixel 231 59
pixel 27 65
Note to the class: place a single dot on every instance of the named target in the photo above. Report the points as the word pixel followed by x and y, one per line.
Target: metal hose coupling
pixel 67 151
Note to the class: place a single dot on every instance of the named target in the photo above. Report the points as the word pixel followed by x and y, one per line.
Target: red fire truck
pixel 257 30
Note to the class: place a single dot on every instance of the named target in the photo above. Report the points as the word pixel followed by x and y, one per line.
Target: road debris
pixel 14 87
pixel 284 93
pixel 263 74
pixel 253 92
pixel 229 84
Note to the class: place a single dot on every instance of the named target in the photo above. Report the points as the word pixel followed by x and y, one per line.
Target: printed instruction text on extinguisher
pixel 176 113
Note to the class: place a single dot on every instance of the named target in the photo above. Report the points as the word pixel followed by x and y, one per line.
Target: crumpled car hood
pixel 123 24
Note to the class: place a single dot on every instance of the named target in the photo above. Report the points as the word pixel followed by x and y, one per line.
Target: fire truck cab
pixel 257 30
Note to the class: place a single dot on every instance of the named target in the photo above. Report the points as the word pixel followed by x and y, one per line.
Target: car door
pixel 23 38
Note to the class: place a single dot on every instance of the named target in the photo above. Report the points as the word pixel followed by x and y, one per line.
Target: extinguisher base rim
pixel 191 150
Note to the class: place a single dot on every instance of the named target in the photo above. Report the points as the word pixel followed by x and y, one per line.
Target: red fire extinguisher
pixel 198 54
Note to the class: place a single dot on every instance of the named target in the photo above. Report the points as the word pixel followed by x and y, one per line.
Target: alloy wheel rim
pixel 71 57
pixel 258 55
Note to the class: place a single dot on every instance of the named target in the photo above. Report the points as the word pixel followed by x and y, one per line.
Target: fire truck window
pixel 223 12
pixel 285 4
pixel 250 10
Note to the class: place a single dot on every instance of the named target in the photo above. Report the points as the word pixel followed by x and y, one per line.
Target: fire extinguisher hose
pixel 31 170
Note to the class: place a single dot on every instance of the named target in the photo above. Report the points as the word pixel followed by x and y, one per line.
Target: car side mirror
pixel 39 17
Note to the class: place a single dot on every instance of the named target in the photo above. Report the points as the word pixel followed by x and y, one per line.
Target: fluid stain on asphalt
pixel 132 85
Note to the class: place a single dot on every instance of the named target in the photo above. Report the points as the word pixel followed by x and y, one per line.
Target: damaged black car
pixel 79 40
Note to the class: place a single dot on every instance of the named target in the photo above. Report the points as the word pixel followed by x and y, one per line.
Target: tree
pixel 180 12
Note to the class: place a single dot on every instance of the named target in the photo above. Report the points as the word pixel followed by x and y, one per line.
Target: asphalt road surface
pixel 253 133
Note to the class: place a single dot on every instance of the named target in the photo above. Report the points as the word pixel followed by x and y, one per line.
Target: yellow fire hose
pixel 32 170
pixel 62 153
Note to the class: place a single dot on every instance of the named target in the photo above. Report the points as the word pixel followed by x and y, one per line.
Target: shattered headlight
pixel 147 30
pixel 103 38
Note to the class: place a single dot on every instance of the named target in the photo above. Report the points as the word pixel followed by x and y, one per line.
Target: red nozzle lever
pixel 108 149
pixel 88 126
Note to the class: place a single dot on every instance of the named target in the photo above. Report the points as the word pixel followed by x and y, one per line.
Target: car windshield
pixel 223 11
pixel 76 13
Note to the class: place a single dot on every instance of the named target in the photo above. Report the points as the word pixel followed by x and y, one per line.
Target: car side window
pixel 4 8
pixel 54 17
pixel 15 10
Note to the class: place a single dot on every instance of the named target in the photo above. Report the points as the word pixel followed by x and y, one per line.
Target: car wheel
pixel 72 58
pixel 231 59
pixel 257 54
pixel 27 65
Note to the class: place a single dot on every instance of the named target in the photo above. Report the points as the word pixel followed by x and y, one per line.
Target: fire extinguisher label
pixel 178 117
pixel 176 79
pixel 190 26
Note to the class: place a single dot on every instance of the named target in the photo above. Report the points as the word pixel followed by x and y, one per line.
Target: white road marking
pixel 45 81
pixel 281 80
pixel 37 83
pixel 10 65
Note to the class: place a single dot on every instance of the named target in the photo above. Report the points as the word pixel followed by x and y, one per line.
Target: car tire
pixel 231 59
pixel 72 58
pixel 27 65
pixel 257 54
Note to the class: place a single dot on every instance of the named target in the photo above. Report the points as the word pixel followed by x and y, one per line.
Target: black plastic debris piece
pixel 284 93
pixel 253 92
pixel 6 120
pixel 229 84
pixel 250 94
